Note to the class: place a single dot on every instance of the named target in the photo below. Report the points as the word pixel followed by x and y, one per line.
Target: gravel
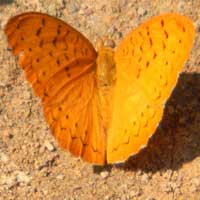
pixel 32 166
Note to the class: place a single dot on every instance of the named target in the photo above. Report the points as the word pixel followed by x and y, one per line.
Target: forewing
pixel 59 62
pixel 148 62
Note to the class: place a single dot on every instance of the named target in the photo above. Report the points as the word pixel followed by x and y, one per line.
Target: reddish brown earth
pixel 32 166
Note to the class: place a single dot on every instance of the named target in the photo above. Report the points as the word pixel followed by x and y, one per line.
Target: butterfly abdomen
pixel 105 78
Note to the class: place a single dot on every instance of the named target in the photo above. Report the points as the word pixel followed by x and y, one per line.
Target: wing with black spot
pixel 59 62
pixel 148 62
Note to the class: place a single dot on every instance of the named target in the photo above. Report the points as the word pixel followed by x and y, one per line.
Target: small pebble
pixel 3 157
pixel 166 187
pixel 88 11
pixel 81 12
pixel 141 11
pixel 104 174
pixel 74 7
pixel 135 193
pixel 145 178
pixel 60 176
pixel 8 181
pixel 49 146
pixel 7 135
pixel 22 177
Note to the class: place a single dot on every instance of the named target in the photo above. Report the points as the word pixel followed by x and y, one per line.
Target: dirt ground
pixel 32 166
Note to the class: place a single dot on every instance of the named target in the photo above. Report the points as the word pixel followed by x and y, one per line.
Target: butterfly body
pixel 106 67
pixel 105 77
pixel 102 106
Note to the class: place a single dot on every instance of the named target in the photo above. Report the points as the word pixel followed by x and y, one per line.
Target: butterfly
pixel 101 106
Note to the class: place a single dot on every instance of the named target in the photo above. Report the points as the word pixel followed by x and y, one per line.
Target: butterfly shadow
pixel 177 139
pixel 2 2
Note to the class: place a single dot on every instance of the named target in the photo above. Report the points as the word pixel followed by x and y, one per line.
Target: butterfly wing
pixel 148 62
pixel 59 62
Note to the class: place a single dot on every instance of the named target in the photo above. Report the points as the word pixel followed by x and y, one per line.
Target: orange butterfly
pixel 101 106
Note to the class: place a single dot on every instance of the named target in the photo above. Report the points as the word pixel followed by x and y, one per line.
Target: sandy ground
pixel 32 166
